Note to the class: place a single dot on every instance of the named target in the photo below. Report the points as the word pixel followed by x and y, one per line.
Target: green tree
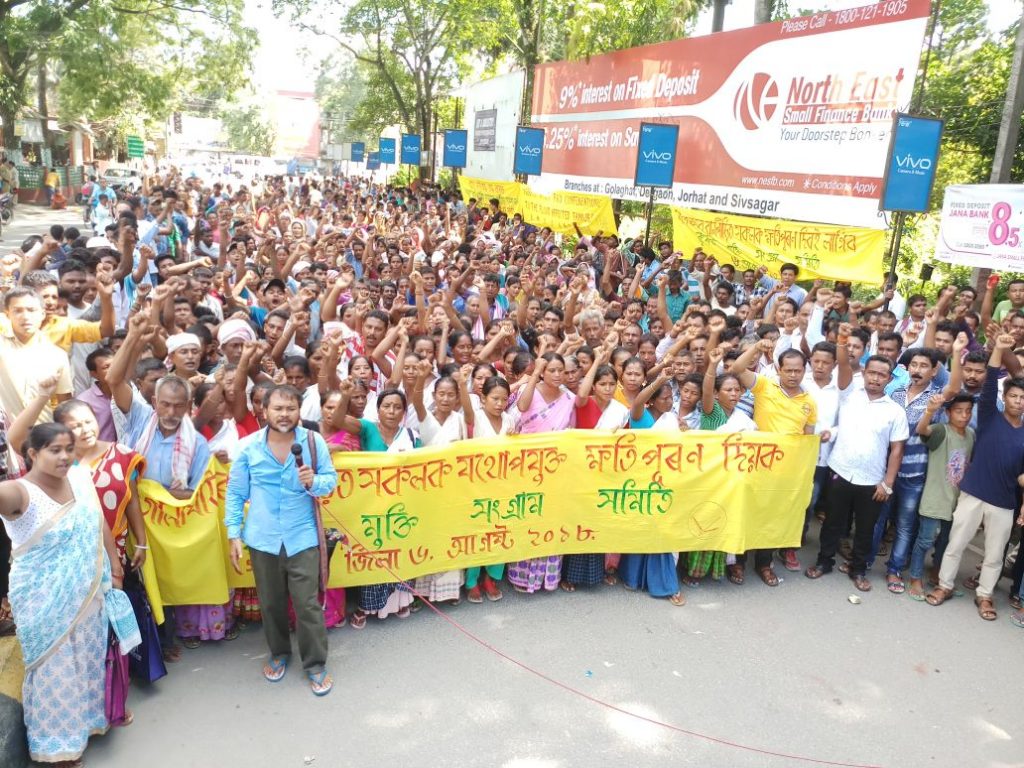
pixel 247 130
pixel 410 52
pixel 122 61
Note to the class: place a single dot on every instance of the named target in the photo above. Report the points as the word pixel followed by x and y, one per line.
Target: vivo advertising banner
pixel 386 150
pixel 455 148
pixel 410 149
pixel 373 161
pixel 656 155
pixel 982 226
pixel 358 151
pixel 911 165
pixel 790 119
pixel 529 151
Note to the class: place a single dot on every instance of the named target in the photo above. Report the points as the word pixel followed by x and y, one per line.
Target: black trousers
pixel 848 502
pixel 5 563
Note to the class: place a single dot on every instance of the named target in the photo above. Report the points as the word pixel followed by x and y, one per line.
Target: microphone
pixel 297 453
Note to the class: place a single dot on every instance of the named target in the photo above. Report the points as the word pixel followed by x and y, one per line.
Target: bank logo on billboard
pixel 756 101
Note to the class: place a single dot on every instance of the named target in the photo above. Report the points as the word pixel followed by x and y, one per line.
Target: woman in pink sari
pixel 546 406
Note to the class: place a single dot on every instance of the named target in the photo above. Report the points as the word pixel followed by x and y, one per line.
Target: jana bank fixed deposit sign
pixel 790 119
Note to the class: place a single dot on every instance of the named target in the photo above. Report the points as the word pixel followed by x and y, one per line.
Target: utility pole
pixel 718 15
pixel 1006 146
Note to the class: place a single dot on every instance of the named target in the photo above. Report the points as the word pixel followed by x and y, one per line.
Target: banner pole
pixel 650 216
pixel 897 235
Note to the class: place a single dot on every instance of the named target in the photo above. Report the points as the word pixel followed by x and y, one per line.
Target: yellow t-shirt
pixel 52 179
pixel 775 411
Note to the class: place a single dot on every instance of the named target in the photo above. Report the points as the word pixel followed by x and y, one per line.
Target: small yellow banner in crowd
pixel 559 211
pixel 820 250
pixel 480 502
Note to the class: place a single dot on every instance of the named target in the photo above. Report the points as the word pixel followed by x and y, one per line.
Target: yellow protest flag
pixel 561 211
pixel 822 251
pixel 188 562
pixel 479 502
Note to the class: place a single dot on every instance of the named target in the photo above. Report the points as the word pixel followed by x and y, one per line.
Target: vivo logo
pixel 533 151
pixel 456 147
pixel 914 164
pixel 657 157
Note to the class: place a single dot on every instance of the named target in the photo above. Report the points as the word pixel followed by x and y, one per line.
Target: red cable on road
pixel 582 694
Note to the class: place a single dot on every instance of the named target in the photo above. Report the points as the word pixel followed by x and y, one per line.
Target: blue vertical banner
pixel 656 155
pixel 386 149
pixel 529 154
pixel 373 161
pixel 358 151
pixel 455 148
pixel 911 165
pixel 410 149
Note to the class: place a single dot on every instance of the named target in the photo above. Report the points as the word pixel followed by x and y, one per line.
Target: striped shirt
pixel 915 453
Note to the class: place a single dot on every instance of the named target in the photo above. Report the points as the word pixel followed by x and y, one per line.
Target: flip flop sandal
pixel 815 572
pixel 919 596
pixel 736 574
pixel 678 599
pixel 191 642
pixel 844 568
pixel 938 596
pixel 567 586
pixel 1015 602
pixel 320 682
pixel 1017 619
pixel 896 586
pixel 274 670
pixel 862 584
pixel 404 613
pixel 358 620
pixel 985 608
pixel 768 577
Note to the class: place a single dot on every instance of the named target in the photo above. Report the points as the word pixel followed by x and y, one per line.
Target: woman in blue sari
pixel 60 575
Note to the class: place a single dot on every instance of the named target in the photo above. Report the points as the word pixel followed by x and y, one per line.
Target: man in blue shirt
pixel 283 531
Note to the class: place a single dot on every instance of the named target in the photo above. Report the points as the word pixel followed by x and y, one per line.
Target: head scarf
pixel 179 340
pixel 235 330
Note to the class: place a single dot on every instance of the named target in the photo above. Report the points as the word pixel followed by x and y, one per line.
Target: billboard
pixel 386 150
pixel 981 226
pixel 790 119
pixel 484 130
pixel 373 161
pixel 656 155
pixel 357 151
pixel 911 165
pixel 529 154
pixel 410 149
pixel 494 108
pixel 455 148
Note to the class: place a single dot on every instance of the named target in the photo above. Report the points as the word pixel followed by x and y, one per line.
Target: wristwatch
pixel 887 489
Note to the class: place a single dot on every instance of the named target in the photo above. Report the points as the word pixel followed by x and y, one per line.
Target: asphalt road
pixel 36 220
pixel 797 670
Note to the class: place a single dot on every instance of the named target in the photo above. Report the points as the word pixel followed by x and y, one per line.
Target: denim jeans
pixel 903 507
pixel 930 533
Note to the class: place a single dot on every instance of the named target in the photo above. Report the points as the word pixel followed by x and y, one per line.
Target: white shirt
pixel 866 429
pixel 827 400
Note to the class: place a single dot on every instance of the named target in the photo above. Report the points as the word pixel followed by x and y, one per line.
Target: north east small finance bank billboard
pixel 790 119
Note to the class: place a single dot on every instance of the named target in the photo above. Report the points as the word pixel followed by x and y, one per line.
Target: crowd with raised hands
pixel 201 321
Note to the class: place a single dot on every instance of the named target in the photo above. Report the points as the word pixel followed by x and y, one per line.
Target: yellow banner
pixel 820 250
pixel 188 561
pixel 559 211
pixel 480 502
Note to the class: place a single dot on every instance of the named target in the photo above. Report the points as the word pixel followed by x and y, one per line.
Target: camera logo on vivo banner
pixel 756 101
pixel 532 151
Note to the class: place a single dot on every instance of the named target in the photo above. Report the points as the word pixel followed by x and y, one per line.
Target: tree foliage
pixel 122 61
pixel 247 130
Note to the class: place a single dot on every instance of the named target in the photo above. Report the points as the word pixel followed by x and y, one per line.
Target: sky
pixel 288 57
